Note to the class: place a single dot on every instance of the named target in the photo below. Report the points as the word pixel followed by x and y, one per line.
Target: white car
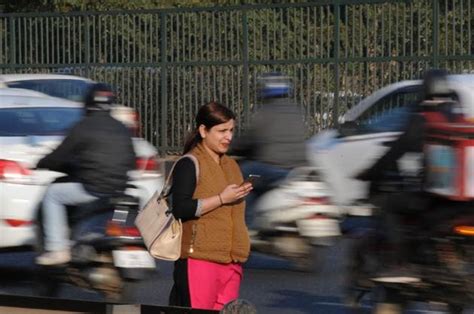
pixel 32 124
pixel 367 127
pixel 70 87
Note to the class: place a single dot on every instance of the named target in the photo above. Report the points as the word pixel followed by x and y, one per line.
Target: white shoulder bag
pixel 161 232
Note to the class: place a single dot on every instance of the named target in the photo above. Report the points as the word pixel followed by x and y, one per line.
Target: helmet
pixel 435 84
pixel 99 97
pixel 274 85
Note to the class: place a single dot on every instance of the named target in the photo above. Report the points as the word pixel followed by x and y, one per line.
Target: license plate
pixel 133 259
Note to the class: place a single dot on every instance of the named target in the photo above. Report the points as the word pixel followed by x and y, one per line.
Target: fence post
pixel 245 61
pixel 12 51
pixel 337 18
pixel 87 46
pixel 163 84
pixel 435 33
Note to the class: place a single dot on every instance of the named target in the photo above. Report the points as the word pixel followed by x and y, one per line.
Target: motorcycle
pixel 108 253
pixel 295 217
pixel 444 263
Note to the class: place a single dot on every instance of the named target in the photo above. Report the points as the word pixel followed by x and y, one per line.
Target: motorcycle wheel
pixel 46 287
pixel 107 280
pixel 455 308
pixel 387 308
pixel 303 264
pixel 298 251
pixel 389 301
pixel 358 286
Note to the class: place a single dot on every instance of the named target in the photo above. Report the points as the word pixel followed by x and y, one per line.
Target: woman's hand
pixel 233 192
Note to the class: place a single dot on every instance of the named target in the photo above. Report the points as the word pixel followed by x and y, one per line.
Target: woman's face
pixel 218 138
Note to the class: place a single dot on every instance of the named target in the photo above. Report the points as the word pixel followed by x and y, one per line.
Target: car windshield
pixel 38 121
pixel 391 121
pixel 74 90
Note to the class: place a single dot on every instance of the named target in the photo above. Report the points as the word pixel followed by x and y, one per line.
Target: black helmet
pixel 99 97
pixel 435 84
pixel 274 85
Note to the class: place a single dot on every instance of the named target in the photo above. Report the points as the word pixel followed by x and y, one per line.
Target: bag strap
pixel 167 187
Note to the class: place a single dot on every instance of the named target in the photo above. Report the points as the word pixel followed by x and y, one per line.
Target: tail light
pixel 324 200
pixel 464 230
pixel 131 231
pixel 136 126
pixel 12 170
pixel 115 229
pixel 148 164
pixel 18 222
pixel 129 117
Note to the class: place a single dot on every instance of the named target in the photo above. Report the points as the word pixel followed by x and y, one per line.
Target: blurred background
pixel 167 63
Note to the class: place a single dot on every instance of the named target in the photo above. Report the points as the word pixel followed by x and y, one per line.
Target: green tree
pixel 93 5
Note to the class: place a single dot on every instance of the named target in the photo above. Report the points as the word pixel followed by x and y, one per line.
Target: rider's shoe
pixel 397 274
pixel 53 258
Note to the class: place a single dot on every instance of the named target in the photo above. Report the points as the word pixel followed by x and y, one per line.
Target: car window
pixel 38 121
pixel 74 90
pixel 392 121
pixel 390 113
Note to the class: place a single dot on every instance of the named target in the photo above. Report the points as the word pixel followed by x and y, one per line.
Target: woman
pixel 215 238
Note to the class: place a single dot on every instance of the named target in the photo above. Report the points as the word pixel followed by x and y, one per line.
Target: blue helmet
pixel 274 85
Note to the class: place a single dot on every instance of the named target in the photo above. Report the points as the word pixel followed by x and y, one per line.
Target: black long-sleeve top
pixel 184 183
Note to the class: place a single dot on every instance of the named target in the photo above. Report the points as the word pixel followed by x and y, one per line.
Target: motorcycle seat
pixel 90 209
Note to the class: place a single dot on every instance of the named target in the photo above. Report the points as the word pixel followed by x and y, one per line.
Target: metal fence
pixel 166 63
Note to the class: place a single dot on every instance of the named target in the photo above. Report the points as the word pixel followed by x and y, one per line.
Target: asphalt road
pixel 269 283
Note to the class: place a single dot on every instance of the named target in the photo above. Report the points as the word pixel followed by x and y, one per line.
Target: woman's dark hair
pixel 208 115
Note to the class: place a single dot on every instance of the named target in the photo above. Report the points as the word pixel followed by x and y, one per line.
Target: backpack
pixel 449 154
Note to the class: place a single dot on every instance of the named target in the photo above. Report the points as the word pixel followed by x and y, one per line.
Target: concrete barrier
pixel 15 304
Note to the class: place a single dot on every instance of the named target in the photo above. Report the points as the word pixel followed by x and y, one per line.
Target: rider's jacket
pixel 97 152
pixel 276 135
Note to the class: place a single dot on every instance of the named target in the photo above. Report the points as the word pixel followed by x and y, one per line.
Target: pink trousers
pixel 212 285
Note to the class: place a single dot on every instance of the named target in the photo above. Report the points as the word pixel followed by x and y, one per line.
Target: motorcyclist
pixel 437 97
pixel 436 92
pixel 96 155
pixel 275 140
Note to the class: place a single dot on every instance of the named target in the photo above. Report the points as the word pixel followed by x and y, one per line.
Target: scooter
pixel 295 217
pixel 108 252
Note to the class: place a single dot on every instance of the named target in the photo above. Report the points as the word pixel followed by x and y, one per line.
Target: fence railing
pixel 166 63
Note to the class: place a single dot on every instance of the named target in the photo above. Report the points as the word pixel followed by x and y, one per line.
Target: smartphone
pixel 251 178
